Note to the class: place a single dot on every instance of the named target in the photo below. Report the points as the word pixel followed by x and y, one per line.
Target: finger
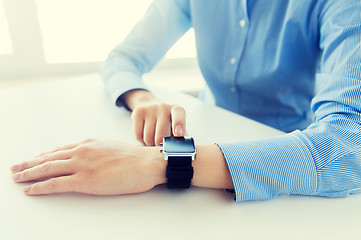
pixel 163 128
pixel 178 116
pixel 59 155
pixel 149 130
pixel 43 171
pixel 64 147
pixel 138 125
pixel 53 185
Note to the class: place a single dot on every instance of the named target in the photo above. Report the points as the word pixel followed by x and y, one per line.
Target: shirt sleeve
pixel 163 24
pixel 325 158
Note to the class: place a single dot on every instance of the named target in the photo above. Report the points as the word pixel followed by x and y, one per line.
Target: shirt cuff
pixel 263 169
pixel 121 83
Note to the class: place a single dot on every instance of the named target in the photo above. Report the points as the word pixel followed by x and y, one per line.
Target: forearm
pixel 264 168
pixel 164 23
pixel 210 168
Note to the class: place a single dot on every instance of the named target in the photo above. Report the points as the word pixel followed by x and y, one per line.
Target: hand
pixel 153 119
pixel 93 167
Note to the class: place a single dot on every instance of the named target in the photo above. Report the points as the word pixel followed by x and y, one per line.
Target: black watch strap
pixel 179 172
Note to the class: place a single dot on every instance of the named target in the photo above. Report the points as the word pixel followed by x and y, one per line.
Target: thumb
pixel 178 118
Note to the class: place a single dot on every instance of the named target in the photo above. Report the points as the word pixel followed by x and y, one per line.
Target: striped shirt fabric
pixel 293 65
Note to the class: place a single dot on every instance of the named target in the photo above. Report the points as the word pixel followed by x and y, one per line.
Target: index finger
pixel 178 118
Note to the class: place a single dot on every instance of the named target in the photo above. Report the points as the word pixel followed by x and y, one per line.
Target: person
pixel 293 65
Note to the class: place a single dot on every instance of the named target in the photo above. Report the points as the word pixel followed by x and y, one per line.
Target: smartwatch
pixel 179 152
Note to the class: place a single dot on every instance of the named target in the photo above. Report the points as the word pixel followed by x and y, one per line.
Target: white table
pixel 39 115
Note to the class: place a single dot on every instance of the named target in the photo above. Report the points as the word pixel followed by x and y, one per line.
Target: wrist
pixel 158 165
pixel 210 167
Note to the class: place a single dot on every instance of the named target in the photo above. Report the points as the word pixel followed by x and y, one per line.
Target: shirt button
pixel 242 23
pixel 232 89
pixel 233 60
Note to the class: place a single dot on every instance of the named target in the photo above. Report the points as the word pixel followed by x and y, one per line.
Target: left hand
pixel 93 167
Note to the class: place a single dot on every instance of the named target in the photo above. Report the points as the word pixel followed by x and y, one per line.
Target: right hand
pixel 152 119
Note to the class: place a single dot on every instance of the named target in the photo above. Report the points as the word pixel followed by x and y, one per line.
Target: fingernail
pixel 14 168
pixel 178 130
pixel 16 176
pixel 26 189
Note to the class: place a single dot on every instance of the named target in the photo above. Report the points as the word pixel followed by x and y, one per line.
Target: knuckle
pixel 51 184
pixel 83 149
pixel 88 140
pixel 35 187
pixel 73 164
pixel 57 148
pixel 43 159
pixel 178 108
pixel 163 107
pixel 151 112
pixel 45 167
pixel 138 112
pixel 133 114
pixel 24 174
pixel 23 165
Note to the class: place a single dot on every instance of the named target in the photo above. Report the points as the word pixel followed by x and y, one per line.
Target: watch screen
pixel 179 145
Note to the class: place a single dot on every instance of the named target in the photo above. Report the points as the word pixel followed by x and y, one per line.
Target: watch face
pixel 179 145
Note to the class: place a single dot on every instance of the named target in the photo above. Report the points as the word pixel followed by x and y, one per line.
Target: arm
pixel 164 23
pixel 324 159
pixel 109 167
pixel 103 164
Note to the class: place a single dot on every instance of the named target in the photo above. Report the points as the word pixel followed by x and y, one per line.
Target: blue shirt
pixel 294 65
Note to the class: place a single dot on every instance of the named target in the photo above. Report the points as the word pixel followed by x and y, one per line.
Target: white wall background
pixel 58 37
